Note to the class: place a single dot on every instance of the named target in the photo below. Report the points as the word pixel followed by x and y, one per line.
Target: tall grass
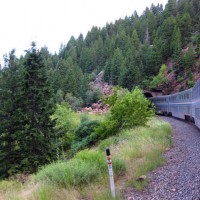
pixel 86 167
pixel 142 149
pixel 9 188
pixel 135 152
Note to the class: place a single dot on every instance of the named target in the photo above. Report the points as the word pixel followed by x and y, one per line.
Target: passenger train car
pixel 184 105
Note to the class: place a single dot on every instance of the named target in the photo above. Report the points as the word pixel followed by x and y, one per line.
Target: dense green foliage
pixel 160 78
pixel 86 175
pixel 26 131
pixel 38 105
pixel 66 121
pixel 83 136
pixel 130 51
pixel 10 112
pixel 127 110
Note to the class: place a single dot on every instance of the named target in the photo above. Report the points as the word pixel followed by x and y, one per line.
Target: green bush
pixel 66 122
pixel 118 94
pixel 190 84
pixel 65 118
pixel 83 137
pixel 133 109
pixel 105 129
pixel 86 128
pixel 79 145
pixel 160 78
pixel 179 79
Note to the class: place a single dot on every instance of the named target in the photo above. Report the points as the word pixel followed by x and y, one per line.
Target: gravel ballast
pixel 179 178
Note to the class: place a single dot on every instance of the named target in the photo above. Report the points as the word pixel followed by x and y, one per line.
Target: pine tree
pixel 131 75
pixel 153 60
pixel 117 65
pixel 10 116
pixel 107 72
pixel 135 40
pixel 176 43
pixel 184 22
pixel 37 99
pixel 171 8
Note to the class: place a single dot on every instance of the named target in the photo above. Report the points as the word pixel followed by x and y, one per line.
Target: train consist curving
pixel 184 105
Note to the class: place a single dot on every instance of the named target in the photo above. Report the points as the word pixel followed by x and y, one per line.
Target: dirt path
pixel 180 177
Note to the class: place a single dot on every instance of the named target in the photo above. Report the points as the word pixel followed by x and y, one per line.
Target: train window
pixel 197 113
pixel 173 98
pixel 161 100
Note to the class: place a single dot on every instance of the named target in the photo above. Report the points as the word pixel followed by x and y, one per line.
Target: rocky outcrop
pixel 105 89
pixel 174 85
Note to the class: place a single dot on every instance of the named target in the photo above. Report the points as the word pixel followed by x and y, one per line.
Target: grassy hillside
pixel 135 152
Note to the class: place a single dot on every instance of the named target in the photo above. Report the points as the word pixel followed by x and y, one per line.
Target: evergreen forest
pixel 132 52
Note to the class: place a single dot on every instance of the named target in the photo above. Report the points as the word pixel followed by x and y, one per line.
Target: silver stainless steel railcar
pixel 196 103
pixel 184 105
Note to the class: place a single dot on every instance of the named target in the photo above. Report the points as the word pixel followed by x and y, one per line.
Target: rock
pixel 141 178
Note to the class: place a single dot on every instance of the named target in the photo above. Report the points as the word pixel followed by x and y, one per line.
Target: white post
pixel 110 170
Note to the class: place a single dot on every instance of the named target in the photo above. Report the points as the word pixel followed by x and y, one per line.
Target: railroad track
pixel 179 179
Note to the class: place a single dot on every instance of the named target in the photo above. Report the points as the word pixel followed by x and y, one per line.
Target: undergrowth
pixel 135 152
pixel 86 167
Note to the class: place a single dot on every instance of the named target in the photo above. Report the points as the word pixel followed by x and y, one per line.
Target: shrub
pixel 133 109
pixel 190 84
pixel 66 122
pixel 65 118
pixel 118 93
pixel 160 78
pixel 179 79
pixel 79 145
pixel 105 129
pixel 83 137
pixel 86 128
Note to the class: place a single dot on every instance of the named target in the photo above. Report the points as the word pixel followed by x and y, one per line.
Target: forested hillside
pixel 130 51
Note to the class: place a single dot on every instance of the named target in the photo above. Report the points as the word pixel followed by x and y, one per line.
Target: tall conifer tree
pixel 10 116
pixel 38 128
